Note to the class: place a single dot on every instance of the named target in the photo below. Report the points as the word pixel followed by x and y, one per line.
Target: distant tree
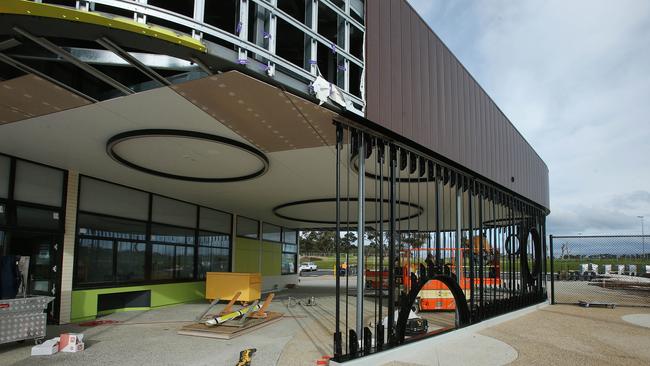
pixel 321 242
pixel 348 241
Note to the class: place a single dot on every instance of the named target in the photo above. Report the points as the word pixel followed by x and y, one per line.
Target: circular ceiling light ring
pixel 137 134
pixel 419 209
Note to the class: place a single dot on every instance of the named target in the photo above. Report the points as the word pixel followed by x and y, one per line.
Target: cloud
pixel 574 78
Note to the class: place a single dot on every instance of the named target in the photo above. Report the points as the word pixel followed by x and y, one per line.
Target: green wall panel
pixel 271 259
pixel 247 255
pixel 84 302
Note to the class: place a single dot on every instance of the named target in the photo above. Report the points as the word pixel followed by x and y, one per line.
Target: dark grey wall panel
pixel 417 88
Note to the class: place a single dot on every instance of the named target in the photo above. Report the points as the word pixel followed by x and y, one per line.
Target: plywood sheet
pixel 266 116
pixel 30 96
pixel 228 332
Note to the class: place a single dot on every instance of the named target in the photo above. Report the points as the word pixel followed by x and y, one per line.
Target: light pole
pixel 642 236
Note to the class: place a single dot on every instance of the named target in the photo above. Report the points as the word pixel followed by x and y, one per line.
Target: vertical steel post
pixel 481 254
pixel 272 26
pixel 459 220
pixel 199 14
pixel 437 195
pixel 552 271
pixel 338 349
pixel 242 29
pixel 380 330
pixel 391 248
pixel 360 234
pixel 138 16
pixel 472 268
pixel 311 44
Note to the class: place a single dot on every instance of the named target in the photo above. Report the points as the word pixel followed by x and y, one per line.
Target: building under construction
pixel 145 143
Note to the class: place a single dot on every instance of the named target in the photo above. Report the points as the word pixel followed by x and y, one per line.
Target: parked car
pixel 308 266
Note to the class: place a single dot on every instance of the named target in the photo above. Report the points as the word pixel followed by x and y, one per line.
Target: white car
pixel 308 266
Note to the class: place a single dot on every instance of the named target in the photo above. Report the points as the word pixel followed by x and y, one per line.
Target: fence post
pixel 552 272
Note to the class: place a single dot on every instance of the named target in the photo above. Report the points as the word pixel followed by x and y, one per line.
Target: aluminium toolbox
pixel 23 318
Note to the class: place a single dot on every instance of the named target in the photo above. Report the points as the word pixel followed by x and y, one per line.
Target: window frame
pixel 259 227
pixel 149 242
pixel 285 252
pixel 280 231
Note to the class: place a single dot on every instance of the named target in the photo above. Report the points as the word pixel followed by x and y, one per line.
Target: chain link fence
pixel 601 269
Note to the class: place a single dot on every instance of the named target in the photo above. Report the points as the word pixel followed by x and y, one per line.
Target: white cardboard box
pixel 49 347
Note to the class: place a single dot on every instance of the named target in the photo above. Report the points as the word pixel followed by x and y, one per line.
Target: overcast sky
pixel 574 78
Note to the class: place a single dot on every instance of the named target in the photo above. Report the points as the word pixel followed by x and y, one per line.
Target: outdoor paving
pixel 558 335
pixel 573 335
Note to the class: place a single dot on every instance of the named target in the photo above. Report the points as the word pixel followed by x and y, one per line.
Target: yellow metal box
pixel 224 285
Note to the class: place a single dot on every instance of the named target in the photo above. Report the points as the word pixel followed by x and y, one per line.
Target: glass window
pixel 357 10
pixel 214 220
pixel 112 199
pixel 111 227
pixel 271 232
pixel 162 262
pixel 38 184
pixel 247 228
pixel 289 236
pixel 288 263
pixel 172 234
pixel 290 248
pixel 94 261
pixel 173 212
pixel 130 261
pixel 213 260
pixel 217 240
pixel 38 218
pixel 5 164
pixel 184 262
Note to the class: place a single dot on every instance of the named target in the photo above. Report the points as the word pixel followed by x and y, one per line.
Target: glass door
pixel 43 252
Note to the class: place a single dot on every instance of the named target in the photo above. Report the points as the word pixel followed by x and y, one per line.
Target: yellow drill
pixel 245 357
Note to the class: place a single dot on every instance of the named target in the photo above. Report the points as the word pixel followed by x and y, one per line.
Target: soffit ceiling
pixel 76 139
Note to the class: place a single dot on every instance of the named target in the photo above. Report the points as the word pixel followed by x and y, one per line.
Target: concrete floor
pixel 572 335
pixel 560 335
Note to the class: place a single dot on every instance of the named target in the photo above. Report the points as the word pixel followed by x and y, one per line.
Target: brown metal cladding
pixel 417 88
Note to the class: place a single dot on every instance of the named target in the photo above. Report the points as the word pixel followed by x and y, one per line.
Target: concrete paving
pixel 572 335
pixel 642 320
pixel 560 335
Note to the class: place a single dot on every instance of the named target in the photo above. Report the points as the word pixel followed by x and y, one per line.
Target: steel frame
pixel 142 10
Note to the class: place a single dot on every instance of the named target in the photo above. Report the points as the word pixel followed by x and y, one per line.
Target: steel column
pixel 338 349
pixel 552 270
pixel 391 248
pixel 360 234
pixel 459 220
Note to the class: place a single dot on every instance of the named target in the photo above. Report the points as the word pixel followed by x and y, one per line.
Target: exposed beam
pixel 9 43
pixel 153 75
pixel 28 69
pixel 75 61
pixel 202 65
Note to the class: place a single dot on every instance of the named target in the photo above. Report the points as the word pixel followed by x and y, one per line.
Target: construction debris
pixel 622 282
pixel 586 304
